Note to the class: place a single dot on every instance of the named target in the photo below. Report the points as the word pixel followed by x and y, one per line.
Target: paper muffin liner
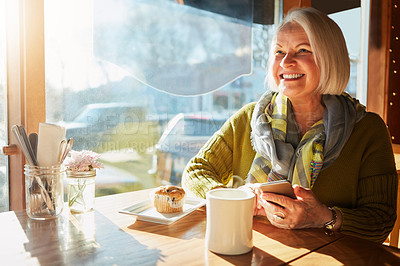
pixel 170 201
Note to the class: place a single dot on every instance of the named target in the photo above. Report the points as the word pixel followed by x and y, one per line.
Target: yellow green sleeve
pixel 229 152
pixel 209 169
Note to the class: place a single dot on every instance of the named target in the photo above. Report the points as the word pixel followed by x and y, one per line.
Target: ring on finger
pixel 279 216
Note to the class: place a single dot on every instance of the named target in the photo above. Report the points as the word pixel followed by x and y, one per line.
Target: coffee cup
pixel 229 221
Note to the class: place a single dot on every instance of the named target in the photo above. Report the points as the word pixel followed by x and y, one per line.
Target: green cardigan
pixel 361 183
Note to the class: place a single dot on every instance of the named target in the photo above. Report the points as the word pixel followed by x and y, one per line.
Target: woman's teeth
pixel 292 76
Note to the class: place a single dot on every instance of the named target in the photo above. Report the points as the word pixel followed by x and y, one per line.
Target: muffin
pixel 169 199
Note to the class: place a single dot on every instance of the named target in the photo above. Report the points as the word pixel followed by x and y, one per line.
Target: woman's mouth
pixel 291 76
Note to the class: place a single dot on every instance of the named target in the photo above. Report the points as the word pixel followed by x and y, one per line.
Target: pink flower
pixel 80 161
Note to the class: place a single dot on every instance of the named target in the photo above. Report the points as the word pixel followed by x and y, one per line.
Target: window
pixel 355 29
pixel 121 115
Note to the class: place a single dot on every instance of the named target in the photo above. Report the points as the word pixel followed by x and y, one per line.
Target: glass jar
pixel 81 190
pixel 44 188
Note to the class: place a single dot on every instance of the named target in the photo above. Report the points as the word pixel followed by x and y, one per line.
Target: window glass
pixel 4 200
pixel 181 49
pixel 350 23
pixel 145 136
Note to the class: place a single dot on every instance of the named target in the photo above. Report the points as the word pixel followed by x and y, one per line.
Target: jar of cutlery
pixel 44 187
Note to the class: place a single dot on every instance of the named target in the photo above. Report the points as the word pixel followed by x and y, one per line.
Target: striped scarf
pixel 280 154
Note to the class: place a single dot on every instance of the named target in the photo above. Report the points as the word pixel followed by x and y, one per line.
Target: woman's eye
pixel 279 52
pixel 303 51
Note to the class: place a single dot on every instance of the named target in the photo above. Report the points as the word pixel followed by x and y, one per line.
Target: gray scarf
pixel 280 152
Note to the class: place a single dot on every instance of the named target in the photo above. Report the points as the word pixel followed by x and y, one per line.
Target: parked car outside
pixel 182 138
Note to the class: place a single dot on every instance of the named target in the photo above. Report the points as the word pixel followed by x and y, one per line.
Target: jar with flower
pixel 81 172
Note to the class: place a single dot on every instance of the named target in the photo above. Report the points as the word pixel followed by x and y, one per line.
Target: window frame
pixel 25 82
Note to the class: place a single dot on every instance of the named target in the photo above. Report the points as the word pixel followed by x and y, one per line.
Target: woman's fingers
pixel 284 212
pixel 280 200
pixel 258 209
pixel 303 193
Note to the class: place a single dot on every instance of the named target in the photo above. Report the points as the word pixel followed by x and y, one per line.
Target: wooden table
pixel 107 237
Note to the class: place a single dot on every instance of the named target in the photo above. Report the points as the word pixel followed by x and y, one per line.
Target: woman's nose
pixel 287 61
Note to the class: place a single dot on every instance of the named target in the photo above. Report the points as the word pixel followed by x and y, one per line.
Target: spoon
pixel 61 150
pixel 68 149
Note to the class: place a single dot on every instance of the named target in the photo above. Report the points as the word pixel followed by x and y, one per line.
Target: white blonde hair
pixel 328 46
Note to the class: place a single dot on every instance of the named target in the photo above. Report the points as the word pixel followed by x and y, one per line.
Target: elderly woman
pixel 337 156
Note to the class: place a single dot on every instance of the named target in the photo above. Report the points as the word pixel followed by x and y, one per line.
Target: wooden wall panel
pixel 378 57
pixel 289 4
pixel 393 105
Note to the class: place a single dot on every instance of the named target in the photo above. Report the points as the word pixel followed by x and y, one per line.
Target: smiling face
pixel 294 68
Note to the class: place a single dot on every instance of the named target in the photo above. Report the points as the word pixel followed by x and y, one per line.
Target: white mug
pixel 229 221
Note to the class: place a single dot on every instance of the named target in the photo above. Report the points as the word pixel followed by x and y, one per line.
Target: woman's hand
pixel 258 207
pixel 304 212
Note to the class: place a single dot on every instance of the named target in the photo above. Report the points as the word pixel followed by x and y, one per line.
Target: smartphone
pixel 281 187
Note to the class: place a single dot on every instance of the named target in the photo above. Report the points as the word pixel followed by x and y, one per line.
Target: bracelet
pixel 331 224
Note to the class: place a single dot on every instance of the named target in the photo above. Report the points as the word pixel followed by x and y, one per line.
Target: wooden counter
pixel 107 237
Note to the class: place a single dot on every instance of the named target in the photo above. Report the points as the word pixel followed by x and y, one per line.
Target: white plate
pixel 145 211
